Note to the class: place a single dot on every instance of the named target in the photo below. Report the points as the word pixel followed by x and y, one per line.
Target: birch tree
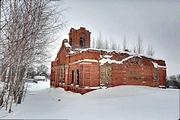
pixel 99 42
pixel 93 43
pixel 124 43
pixel 25 29
pixel 106 44
pixel 139 47
pixel 114 46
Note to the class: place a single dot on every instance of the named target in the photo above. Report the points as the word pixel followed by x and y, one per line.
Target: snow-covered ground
pixel 117 103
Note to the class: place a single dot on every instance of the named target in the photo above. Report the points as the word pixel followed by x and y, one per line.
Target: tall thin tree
pixel 150 51
pixel 25 34
pixel 124 43
pixel 139 48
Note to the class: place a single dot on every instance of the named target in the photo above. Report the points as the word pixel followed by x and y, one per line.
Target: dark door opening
pixel 77 77
pixel 72 82
pixel 81 42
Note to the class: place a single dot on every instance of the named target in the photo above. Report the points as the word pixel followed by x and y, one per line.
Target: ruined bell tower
pixel 79 38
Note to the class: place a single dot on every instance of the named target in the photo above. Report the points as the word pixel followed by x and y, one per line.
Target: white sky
pixel 156 21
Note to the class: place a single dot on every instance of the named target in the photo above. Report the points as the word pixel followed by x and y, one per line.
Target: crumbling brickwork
pixel 81 69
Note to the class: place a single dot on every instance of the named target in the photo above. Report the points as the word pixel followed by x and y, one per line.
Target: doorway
pixel 72 82
pixel 77 77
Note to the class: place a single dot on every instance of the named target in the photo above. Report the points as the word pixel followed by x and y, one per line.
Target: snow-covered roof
pixel 108 60
pixel 107 56
pixel 72 52
pixel 157 66
pixel 85 60
pixel 116 51
pixel 160 66
pixel 67 45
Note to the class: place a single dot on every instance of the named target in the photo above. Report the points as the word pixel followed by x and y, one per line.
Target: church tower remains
pixel 79 38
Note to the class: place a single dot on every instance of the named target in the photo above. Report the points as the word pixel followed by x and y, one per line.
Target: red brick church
pixel 80 69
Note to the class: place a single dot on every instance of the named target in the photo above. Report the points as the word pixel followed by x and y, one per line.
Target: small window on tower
pixel 81 42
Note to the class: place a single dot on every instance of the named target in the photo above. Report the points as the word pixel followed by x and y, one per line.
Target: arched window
pixel 70 41
pixel 72 82
pixel 77 77
pixel 81 42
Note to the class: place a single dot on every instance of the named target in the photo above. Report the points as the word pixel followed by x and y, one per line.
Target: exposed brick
pixel 68 72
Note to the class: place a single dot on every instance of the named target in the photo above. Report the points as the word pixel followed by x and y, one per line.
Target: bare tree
pixel 124 43
pixel 118 45
pixel 106 44
pixel 139 47
pixel 25 37
pixel 178 77
pixel 99 42
pixel 150 51
pixel 42 70
pixel 173 77
pixel 31 72
pixel 114 46
pixel 93 43
pixel 134 50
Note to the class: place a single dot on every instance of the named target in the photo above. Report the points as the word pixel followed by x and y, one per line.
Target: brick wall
pixel 135 71
pixel 67 71
pixel 76 35
pixel 88 74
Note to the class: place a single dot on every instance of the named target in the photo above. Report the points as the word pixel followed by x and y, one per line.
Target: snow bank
pixel 115 103
pixel 41 85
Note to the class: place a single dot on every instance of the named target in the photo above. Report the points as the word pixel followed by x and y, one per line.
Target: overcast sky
pixel 156 21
